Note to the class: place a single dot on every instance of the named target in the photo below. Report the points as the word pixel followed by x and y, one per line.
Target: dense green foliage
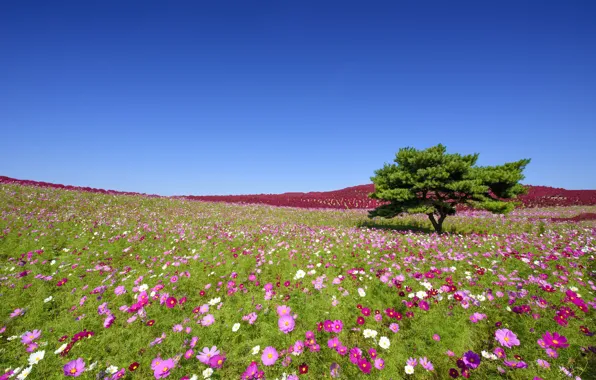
pixel 434 183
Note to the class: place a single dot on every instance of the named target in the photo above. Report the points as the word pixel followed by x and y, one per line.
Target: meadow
pixel 100 285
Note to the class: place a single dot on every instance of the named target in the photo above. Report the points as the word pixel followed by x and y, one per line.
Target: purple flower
pixel 74 368
pixel 506 338
pixel 412 362
pixel 471 359
pixel 269 356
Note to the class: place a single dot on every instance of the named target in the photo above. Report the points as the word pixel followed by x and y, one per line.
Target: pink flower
pixel 120 290
pixel 207 354
pixel 74 368
pixel 269 356
pixel 379 363
pixel 207 320
pixel 283 310
pixel 506 338
pixel 286 323
pixel 394 327
pixel 30 336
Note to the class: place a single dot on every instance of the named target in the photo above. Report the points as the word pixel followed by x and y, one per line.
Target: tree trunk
pixel 437 224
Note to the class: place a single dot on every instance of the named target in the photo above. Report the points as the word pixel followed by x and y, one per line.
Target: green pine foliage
pixel 434 182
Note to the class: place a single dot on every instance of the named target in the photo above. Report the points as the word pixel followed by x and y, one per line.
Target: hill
pixel 354 197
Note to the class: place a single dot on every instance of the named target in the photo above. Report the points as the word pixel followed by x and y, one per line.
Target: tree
pixel 434 182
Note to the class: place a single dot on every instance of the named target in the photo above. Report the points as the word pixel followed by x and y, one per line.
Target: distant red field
pixel 355 197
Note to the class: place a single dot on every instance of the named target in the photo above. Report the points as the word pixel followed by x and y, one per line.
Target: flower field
pixel 101 285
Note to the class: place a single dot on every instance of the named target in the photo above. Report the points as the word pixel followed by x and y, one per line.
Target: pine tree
pixel 434 182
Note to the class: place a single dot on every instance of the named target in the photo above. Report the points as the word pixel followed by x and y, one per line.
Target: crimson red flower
pixel 303 368
pixel 360 320
pixel 133 366
pixel 453 373
pixel 150 322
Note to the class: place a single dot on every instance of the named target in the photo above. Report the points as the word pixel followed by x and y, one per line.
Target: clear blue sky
pixel 236 97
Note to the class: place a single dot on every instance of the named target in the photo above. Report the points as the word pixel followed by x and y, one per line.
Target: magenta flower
pixel 30 336
pixel 163 368
pixel 217 361
pixel 555 340
pixel 338 325
pixel 286 323
pixel 364 365
pixel 506 338
pixel 74 368
pixel 269 356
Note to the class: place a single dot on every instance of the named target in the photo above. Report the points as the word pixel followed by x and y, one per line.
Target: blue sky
pixel 237 97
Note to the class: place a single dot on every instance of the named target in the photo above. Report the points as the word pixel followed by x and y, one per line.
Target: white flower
pixel 384 342
pixel 214 301
pixel 35 357
pixel 256 349
pixel 409 369
pixel 25 373
pixel 368 333
pixel 143 287
pixel 420 294
pixel 48 299
pixel 235 327
pixel 112 369
pixel 60 349
pixel 207 373
pixel 194 377
pixel 52 262
pixel 300 274
pixel 91 367
pixel 12 337
pixel 361 292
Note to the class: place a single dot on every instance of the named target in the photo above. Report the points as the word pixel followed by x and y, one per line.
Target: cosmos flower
pixel 269 356
pixel 207 353
pixel 506 338
pixel 555 340
pixel 74 368
pixel 471 359
pixel 286 323
pixel 30 336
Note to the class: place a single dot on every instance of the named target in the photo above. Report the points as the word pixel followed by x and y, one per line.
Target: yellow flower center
pixel 73 370
pixel 555 341
pixel 165 369
pixel 269 356
pixel 506 339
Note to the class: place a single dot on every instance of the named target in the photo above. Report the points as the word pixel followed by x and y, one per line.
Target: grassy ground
pixel 229 255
